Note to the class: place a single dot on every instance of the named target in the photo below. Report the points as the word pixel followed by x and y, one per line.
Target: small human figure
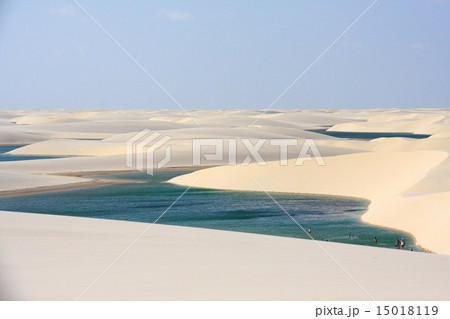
pixel 397 243
pixel 309 231
pixel 402 243
pixel 375 240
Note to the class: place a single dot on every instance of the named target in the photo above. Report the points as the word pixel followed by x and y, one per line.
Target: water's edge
pixel 222 210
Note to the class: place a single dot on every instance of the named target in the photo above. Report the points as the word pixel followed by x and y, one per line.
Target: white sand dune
pixel 436 181
pixel 62 165
pixel 60 257
pixel 419 125
pixel 110 156
pixel 51 117
pixel 362 169
pixel 17 138
pixel 111 127
pixel 67 147
pixel 29 181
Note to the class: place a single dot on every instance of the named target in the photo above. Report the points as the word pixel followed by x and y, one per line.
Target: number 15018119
pixel 407 310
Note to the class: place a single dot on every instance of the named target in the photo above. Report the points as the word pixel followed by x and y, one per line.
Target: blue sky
pixel 224 54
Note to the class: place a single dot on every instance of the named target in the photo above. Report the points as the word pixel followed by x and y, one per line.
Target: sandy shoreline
pixel 46 189
pixel 90 182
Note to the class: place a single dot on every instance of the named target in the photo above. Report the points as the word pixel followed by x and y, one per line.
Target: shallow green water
pixel 330 218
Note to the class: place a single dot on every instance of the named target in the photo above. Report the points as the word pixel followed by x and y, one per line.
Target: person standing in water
pixel 309 231
pixel 397 243
pixel 402 243
pixel 375 240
